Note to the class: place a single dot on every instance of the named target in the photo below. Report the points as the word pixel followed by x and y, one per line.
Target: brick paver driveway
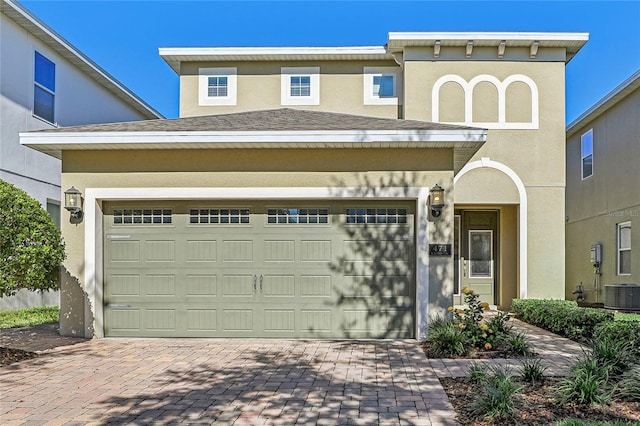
pixel 201 381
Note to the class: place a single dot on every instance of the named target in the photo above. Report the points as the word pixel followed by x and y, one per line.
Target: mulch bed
pixel 427 348
pixel 9 356
pixel 535 405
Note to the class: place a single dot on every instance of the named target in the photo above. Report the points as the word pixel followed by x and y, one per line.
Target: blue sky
pixel 124 36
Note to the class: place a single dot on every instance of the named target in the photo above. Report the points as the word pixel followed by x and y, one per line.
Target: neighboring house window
pixel 300 86
pixel 380 86
pixel 217 86
pixel 44 89
pixel 53 208
pixel 624 248
pixel 587 154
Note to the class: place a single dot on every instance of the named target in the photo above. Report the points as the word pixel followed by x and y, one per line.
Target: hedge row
pixel 620 331
pixel 563 317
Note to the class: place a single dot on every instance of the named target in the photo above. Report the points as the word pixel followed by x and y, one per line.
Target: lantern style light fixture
pixel 73 202
pixel 436 200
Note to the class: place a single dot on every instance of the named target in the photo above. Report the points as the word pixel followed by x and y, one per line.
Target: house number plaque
pixel 439 249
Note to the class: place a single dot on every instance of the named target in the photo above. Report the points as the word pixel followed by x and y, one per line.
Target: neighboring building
pixel 45 82
pixel 291 199
pixel 603 193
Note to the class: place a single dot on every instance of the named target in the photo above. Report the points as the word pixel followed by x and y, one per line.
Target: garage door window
pixel 298 216
pixel 219 216
pixel 376 215
pixel 142 217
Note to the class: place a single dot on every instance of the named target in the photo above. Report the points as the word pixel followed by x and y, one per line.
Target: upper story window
pixel 586 142
pixel 624 248
pixel 300 85
pixel 217 86
pixel 380 86
pixel 44 88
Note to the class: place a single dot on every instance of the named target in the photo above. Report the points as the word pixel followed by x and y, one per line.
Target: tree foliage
pixel 31 247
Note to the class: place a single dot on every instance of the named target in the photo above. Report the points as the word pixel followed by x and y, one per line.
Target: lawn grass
pixel 626 317
pixel 25 317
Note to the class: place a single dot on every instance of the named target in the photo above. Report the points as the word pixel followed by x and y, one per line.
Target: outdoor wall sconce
pixel 73 202
pixel 436 200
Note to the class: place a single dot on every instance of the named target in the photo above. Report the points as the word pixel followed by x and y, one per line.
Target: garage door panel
pixel 238 320
pixel 202 320
pixel 279 251
pixel 315 286
pixel 201 251
pixel 124 285
pixel 279 320
pixel 202 285
pixel 158 250
pixel 160 320
pixel 238 285
pixel 273 286
pixel 237 251
pixel 127 251
pixel 159 285
pixel 315 251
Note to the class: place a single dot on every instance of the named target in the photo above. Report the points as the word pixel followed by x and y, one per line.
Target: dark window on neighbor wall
pixel 44 88
pixel 586 146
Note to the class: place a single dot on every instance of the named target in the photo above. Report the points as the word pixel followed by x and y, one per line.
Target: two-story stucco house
pixel 298 194
pixel 603 199
pixel 45 82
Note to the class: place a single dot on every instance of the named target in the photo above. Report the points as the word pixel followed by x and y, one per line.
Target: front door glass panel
pixel 480 254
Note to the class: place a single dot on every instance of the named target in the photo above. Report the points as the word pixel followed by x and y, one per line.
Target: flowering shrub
pixel 481 334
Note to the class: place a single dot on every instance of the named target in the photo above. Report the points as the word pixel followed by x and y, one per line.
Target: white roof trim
pixel 34 139
pixel 609 100
pixel 18 13
pixel 497 36
pixel 284 51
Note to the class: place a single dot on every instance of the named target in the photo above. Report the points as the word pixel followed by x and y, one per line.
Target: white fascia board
pixel 245 138
pixel 268 51
pixel 498 36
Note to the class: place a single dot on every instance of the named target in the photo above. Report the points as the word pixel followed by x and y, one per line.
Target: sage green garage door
pixel 281 269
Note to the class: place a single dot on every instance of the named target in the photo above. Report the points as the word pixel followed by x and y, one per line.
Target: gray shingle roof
pixel 284 119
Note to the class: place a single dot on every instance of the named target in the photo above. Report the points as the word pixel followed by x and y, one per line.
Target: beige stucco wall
pixel 610 196
pixel 329 168
pixel 341 88
pixel 536 156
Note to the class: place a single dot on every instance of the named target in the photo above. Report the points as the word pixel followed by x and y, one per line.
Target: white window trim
pixel 203 86
pixel 285 86
pixel 618 249
pixel 368 74
pixel 582 157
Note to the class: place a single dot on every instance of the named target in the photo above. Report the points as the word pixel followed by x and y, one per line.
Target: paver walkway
pixel 233 381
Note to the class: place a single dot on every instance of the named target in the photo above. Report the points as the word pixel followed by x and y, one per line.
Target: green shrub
pixel 516 344
pixel 533 371
pixel 629 386
pixel 449 341
pixel 478 372
pixel 615 355
pixel 31 248
pixel 621 331
pixel 563 317
pixel 495 398
pixel 587 383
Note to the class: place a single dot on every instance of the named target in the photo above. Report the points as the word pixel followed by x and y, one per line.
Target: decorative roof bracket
pixel 501 48
pixel 469 49
pixel 534 50
pixel 436 49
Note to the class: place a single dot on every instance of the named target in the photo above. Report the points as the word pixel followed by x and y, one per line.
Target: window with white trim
pixel 376 215
pixel 300 86
pixel 586 147
pixel 624 248
pixel 217 86
pixel 44 88
pixel 380 85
